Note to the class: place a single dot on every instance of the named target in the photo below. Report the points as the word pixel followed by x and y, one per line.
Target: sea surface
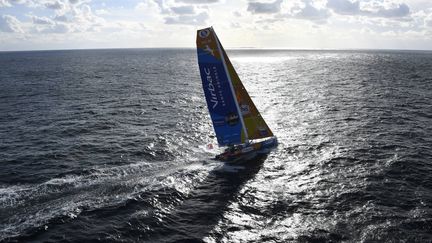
pixel 112 146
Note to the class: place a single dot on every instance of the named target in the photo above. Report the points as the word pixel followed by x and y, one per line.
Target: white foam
pixel 66 196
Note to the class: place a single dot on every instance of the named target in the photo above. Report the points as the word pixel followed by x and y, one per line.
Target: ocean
pixel 112 146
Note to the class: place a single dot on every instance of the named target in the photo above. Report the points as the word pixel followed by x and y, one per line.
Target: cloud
pixel 235 25
pixel 69 16
pixel 84 19
pixel 161 5
pixel 72 18
pixel 371 8
pixel 47 25
pixel 10 24
pixel 344 7
pixel 175 14
pixel 198 19
pixel 50 4
pixel 56 5
pixel 107 22
pixel 148 5
pixel 9 3
pixel 198 1
pixel 4 3
pixel 183 10
pixel 61 18
pixel 102 12
pixel 428 21
pixel 310 12
pixel 264 8
pixel 400 11
pixel 42 20
pixel 57 28
pixel 305 10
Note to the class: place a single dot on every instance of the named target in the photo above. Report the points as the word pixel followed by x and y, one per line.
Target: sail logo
pixel 204 33
pixel 209 50
pixel 232 119
pixel 244 108
pixel 263 131
pixel 211 88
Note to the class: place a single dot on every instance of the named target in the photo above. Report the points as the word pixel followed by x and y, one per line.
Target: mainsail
pixel 235 117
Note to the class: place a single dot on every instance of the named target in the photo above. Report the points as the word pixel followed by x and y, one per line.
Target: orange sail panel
pixel 255 125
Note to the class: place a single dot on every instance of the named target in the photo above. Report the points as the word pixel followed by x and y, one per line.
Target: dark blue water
pixel 111 145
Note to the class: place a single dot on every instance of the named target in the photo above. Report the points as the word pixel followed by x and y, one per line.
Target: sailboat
pixel 236 120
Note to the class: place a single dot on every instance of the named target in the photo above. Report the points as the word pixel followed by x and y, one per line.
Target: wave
pixel 30 207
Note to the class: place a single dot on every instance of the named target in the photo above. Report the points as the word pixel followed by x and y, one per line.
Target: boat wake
pixel 33 208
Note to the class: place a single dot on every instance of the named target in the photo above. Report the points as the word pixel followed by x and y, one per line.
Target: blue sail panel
pixel 220 99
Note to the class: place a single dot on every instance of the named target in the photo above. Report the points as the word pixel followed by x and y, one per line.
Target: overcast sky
pixel 292 24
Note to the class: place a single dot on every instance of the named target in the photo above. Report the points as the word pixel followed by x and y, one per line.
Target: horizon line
pixel 229 48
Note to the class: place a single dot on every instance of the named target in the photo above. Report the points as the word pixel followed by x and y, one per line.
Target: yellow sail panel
pixel 255 125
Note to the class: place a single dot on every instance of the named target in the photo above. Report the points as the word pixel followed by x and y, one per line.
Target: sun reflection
pixel 299 177
pixel 261 59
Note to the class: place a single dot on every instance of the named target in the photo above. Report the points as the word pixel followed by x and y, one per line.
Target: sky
pixel 287 24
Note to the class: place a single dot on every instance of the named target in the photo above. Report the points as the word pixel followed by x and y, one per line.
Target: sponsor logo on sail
pixel 211 88
pixel 204 33
pixel 262 131
pixel 244 108
pixel 209 50
pixel 232 119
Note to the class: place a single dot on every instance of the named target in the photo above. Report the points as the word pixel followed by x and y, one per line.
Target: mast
pixel 231 85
